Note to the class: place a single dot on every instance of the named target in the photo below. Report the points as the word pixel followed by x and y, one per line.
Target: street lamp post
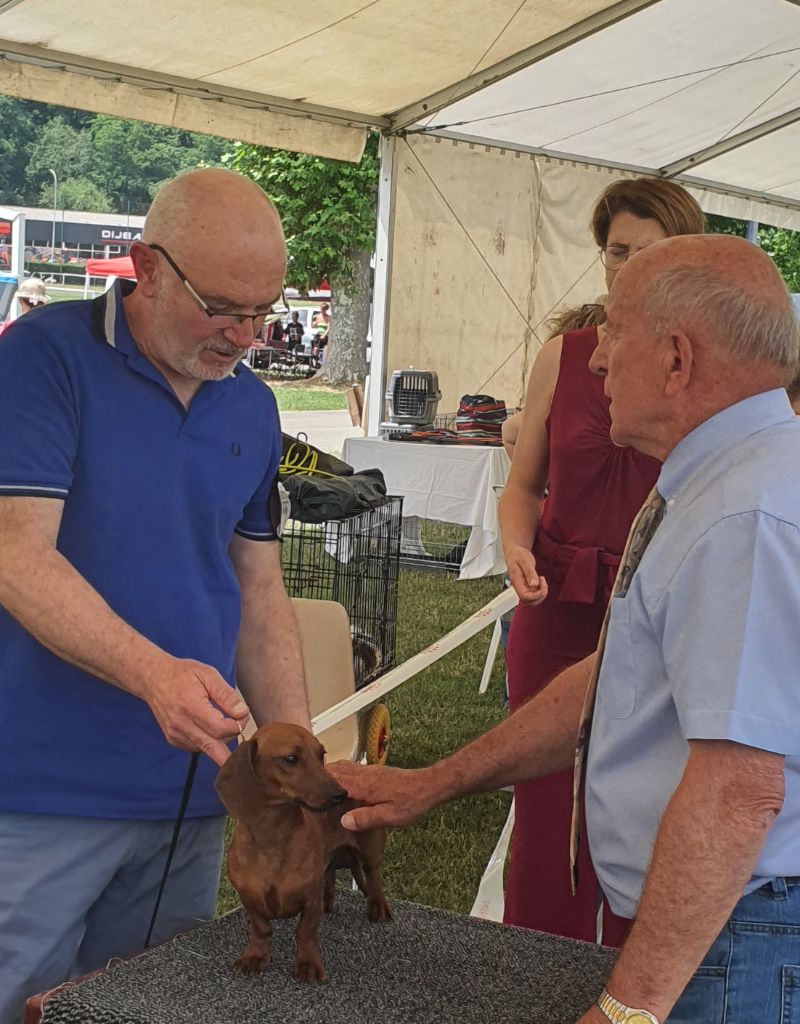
pixel 55 201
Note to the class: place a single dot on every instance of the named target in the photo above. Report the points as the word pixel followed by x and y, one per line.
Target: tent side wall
pixel 487 245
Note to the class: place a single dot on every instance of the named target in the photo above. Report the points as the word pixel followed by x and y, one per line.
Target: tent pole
pixel 384 244
pixel 17 255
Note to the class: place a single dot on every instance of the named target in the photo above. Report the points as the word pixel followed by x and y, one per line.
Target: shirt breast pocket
pixel 616 691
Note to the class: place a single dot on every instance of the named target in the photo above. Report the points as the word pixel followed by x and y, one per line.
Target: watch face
pixel 640 1018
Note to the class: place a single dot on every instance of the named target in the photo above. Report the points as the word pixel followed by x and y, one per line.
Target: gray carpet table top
pixel 424 966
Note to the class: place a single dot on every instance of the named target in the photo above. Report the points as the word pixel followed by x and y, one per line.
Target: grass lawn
pixel 303 397
pixel 69 293
pixel 439 861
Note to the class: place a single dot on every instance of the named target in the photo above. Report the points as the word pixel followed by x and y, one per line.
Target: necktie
pixel 641 533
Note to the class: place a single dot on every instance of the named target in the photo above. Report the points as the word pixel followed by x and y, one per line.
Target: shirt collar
pixel 729 427
pixel 115 327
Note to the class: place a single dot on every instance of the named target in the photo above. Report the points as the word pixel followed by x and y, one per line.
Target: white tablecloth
pixel 456 483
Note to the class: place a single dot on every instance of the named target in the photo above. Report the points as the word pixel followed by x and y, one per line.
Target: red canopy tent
pixel 121 266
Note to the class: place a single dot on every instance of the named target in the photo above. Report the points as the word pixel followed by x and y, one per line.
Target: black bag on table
pixel 316 499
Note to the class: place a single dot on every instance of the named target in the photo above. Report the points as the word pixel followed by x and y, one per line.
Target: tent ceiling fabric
pixel 167 106
pixel 312 75
pixel 662 85
pixel 370 56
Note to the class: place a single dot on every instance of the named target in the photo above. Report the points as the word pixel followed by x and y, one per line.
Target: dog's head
pixel 281 764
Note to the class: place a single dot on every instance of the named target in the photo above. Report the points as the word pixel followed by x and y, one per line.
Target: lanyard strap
pixel 187 789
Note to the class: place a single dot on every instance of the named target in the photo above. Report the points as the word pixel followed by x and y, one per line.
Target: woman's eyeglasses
pixel 615 256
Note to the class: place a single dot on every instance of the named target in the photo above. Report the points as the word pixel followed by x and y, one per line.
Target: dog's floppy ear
pixel 237 784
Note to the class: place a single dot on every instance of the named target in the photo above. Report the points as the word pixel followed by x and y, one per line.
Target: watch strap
pixel 619 1013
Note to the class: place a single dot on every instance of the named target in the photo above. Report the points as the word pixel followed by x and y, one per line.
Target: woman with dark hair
pixel 562 552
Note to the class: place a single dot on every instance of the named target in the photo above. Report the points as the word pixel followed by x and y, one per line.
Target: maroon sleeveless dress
pixel 595 490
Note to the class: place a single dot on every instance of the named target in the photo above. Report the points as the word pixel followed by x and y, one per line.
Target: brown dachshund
pixel 289 842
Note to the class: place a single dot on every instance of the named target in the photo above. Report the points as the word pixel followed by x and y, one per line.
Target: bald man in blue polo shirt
pixel 139 581
pixel 693 779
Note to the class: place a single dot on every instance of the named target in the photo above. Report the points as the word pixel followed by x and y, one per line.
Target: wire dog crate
pixel 433 545
pixel 355 561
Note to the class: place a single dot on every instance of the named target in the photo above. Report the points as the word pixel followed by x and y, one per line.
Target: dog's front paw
pixel 309 968
pixel 378 910
pixel 252 963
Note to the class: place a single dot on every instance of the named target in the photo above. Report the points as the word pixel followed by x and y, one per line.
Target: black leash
pixel 187 789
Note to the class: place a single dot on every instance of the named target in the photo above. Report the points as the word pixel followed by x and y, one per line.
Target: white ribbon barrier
pixel 490 902
pixel 394 677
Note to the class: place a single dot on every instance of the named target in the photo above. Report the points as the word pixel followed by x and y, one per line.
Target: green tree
pixel 782 245
pixel 77 194
pixel 23 123
pixel 329 213
pixel 717 225
pixel 16 138
pixel 67 150
pixel 131 158
pixel 125 160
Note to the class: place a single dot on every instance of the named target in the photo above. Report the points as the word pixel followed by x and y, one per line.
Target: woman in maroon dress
pixel 562 553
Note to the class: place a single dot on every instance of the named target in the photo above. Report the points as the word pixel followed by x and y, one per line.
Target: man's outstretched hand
pixel 393 796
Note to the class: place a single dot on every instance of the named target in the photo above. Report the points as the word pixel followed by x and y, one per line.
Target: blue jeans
pixel 76 892
pixel 751 974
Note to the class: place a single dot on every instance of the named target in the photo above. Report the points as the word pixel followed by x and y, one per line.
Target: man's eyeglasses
pixel 221 318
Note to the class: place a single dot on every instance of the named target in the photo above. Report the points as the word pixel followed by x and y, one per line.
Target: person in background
pixel 562 552
pixel 140 581
pixel 321 323
pixel 30 294
pixel 275 332
pixel 294 331
pixel 322 317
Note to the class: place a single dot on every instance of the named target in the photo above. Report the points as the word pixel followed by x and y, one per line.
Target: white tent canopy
pixel 482 228
pixel 709 89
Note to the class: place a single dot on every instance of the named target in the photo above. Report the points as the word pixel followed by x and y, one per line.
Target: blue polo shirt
pixel 706 642
pixel 153 495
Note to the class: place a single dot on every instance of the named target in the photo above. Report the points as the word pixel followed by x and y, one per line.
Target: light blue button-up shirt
pixel 706 643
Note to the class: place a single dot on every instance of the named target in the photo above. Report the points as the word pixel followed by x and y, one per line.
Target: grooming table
pixel 424 966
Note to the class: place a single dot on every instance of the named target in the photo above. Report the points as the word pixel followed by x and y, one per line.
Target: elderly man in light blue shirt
pixel 705 645
pixel 692 788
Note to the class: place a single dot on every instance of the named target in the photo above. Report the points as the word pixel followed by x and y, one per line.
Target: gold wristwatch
pixel 619 1013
